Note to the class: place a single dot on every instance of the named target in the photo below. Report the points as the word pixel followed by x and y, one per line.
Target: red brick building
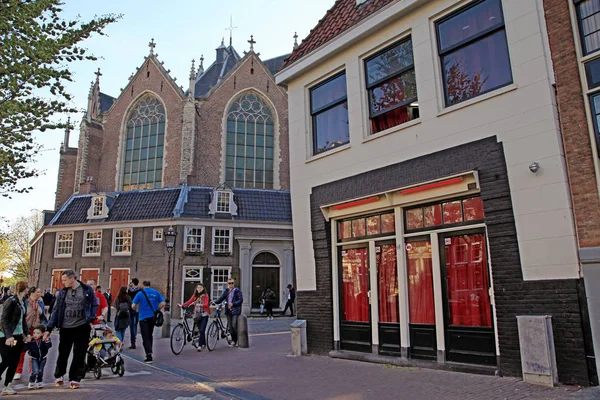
pixel 210 160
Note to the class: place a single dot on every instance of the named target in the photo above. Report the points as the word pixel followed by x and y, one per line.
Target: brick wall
pixel 66 176
pixel 574 127
pixel 210 128
pixel 513 296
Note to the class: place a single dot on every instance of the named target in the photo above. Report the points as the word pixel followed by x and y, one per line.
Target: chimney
pixel 88 186
pixel 221 51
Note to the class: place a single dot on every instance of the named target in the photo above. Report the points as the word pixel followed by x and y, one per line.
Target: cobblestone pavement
pixel 140 381
pixel 267 371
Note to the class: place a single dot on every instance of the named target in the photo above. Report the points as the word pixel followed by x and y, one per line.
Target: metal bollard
pixel 166 328
pixel 298 330
pixel 243 332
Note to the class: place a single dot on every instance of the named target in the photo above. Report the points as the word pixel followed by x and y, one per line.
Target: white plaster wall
pixel 523 116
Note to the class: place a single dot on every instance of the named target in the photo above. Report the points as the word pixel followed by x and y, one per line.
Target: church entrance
pixel 265 273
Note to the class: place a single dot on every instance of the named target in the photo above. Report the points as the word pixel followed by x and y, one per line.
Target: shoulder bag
pixel 159 318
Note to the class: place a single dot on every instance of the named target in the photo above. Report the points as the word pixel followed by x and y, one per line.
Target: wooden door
pixel 262 278
pixel 87 274
pixel 56 280
pixel 118 278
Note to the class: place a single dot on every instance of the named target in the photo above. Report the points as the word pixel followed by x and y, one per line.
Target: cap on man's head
pixel 289 286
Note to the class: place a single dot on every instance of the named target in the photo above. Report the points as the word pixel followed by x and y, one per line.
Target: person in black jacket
pixel 291 297
pixel 13 332
pixel 38 350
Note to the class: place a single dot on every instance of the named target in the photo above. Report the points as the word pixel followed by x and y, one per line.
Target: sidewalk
pixel 267 371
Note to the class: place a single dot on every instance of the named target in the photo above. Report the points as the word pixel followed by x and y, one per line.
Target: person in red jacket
pixel 201 313
pixel 102 303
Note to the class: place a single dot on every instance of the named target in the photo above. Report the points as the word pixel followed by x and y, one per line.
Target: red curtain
pixel 468 283
pixel 390 119
pixel 355 285
pixel 420 283
pixel 388 284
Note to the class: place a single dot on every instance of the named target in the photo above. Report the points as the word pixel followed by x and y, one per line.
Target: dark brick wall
pixel 513 296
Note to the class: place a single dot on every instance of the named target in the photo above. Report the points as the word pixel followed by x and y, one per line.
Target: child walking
pixel 38 351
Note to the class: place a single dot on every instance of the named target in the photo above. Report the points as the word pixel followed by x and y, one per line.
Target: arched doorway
pixel 265 273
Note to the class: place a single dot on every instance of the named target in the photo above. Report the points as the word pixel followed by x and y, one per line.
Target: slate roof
pixel 216 71
pixel 127 206
pixel 253 204
pixel 274 64
pixel 340 17
pixel 106 102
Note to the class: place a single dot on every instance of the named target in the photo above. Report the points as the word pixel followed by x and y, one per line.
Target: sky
pixel 182 30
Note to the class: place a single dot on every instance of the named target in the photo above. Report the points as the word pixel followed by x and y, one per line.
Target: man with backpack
pixel 134 316
pixel 148 302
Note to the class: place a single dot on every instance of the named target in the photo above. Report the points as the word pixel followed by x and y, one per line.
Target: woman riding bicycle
pixel 201 313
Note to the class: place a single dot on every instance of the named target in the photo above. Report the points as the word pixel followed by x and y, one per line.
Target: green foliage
pixel 36 48
pixel 15 246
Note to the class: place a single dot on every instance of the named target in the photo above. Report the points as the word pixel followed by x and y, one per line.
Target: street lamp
pixel 170 238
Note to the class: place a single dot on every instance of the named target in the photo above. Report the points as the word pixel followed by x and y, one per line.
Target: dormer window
pixel 98 209
pixel 223 199
pixel 222 202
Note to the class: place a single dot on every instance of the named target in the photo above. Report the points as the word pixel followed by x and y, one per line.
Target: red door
pixel 118 278
pixel 56 280
pixel 89 274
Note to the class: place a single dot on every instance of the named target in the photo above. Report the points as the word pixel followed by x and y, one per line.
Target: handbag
pixel 159 318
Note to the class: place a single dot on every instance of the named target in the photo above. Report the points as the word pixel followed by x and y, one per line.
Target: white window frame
pixel 155 237
pixel 114 239
pixel 213 288
pixel 230 238
pixel 56 240
pixel 92 214
pixel 84 244
pixel 202 239
pixel 220 205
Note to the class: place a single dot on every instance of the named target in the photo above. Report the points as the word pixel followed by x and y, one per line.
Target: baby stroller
pixel 108 356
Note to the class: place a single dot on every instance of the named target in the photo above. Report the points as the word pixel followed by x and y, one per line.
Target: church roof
pixel 340 17
pixel 106 102
pixel 217 70
pixel 139 205
pixel 274 64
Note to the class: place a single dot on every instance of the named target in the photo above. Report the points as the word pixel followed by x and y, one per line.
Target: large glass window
pixel 144 145
pixel 221 241
pixel 473 51
pixel 392 87
pixel 250 143
pixel 122 239
pixel 218 279
pixel 329 112
pixel 420 282
pixel 388 283
pixel 355 285
pixel 433 216
pixel 64 244
pixel 92 243
pixel 595 104
pixel 194 242
pixel 588 13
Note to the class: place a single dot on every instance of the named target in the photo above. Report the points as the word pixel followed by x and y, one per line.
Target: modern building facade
pixel 210 161
pixel 431 190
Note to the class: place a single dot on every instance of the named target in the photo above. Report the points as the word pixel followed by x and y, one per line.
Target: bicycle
pixel 183 334
pixel 217 330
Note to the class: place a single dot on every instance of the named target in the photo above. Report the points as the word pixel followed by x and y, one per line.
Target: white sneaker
pixel 17 377
pixel 31 385
pixel 39 385
pixel 8 390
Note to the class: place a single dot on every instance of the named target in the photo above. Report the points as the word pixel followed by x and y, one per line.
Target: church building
pixel 209 163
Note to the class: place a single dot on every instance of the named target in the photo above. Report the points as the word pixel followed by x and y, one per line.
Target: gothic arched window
pixel 250 142
pixel 144 145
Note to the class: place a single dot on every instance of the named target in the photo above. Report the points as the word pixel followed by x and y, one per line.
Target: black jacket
pixel 11 313
pixel 38 350
pixel 292 294
pixel 48 297
pixel 58 313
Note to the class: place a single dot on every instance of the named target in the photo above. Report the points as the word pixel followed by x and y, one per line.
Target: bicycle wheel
pixel 178 339
pixel 212 336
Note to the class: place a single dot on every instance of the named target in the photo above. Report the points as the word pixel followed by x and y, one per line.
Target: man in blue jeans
pixel 147 301
pixel 133 290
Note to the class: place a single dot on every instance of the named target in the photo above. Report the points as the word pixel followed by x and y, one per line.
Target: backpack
pixel 123 311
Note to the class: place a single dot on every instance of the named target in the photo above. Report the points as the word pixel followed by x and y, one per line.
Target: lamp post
pixel 170 238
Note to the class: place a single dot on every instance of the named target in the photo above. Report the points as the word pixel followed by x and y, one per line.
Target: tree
pixel 36 48
pixel 461 85
pixel 18 238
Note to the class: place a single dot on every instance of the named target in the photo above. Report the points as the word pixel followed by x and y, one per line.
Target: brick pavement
pixel 267 371
pixel 140 381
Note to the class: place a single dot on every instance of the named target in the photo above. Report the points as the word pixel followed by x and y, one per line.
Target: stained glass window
pixel 144 145
pixel 250 143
